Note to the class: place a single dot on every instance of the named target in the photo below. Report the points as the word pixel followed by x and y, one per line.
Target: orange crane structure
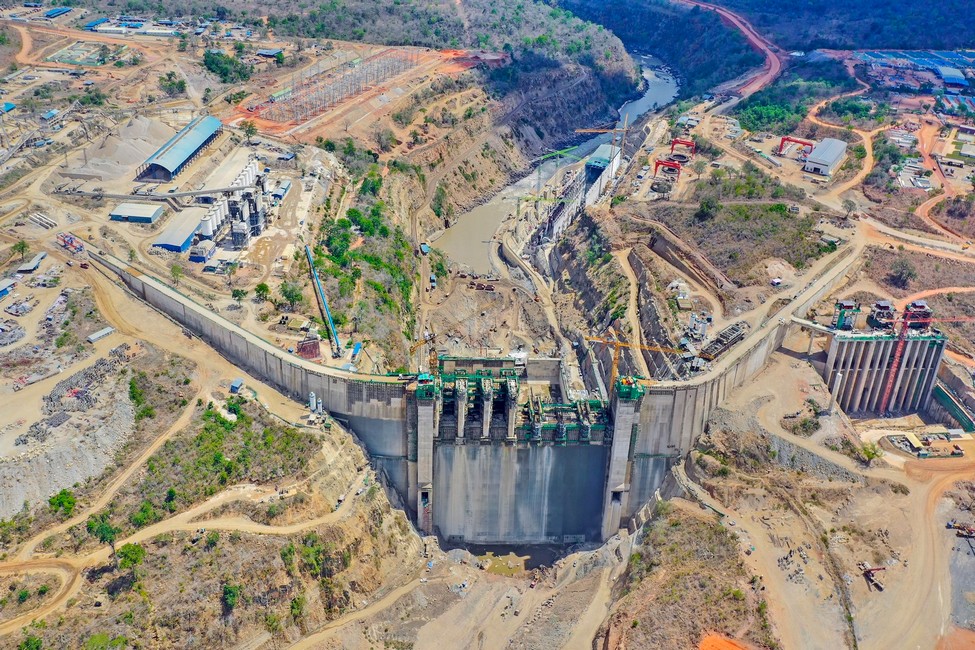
pixel 623 129
pixel 618 345
pixel 666 163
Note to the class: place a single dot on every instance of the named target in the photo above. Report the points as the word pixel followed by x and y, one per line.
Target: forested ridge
pixel 861 24
pixel 694 42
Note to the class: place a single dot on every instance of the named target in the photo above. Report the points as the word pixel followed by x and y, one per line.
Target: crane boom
pixel 618 345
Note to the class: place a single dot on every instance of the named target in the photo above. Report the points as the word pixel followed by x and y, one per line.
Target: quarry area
pixel 308 343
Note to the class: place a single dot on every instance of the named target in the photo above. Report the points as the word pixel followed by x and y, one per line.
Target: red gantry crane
pixel 666 163
pixel 789 138
pixel 687 143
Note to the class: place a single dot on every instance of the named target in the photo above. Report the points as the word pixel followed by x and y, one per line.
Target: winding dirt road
pixel 773 63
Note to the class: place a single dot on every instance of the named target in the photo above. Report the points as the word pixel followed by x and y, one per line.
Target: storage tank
pixel 311 401
pixel 206 227
pixel 221 211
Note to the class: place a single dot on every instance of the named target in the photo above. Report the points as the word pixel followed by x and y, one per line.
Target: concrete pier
pixel 460 392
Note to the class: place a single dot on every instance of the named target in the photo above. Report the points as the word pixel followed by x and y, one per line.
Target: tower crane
pixel 618 345
pixel 620 129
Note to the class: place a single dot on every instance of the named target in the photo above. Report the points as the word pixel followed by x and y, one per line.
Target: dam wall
pixel 477 461
pixel 375 408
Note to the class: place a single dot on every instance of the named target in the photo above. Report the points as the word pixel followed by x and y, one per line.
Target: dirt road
pixel 633 310
pixel 927 293
pixel 773 64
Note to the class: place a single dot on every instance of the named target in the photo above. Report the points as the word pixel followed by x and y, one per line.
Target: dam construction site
pixel 315 343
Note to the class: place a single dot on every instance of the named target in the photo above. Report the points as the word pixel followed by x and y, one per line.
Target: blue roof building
pixel 90 26
pixel 180 150
pixel 178 236
pixel 952 76
pixel 50 115
pixel 6 107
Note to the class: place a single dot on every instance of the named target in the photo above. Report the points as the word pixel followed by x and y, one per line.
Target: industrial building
pixel 171 158
pixel 232 206
pixel 601 168
pixel 270 53
pixel 137 213
pixel 892 368
pixel 203 251
pixel 31 266
pixel 825 157
pixel 6 286
pixel 953 77
pixel 179 234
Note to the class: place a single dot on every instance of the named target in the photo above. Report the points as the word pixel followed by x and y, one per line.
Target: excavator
pixel 870 575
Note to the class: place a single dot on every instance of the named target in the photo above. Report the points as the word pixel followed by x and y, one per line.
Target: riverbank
pixel 469 239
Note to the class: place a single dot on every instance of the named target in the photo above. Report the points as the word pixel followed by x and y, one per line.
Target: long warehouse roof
pixel 180 229
pixel 184 144
pixel 827 152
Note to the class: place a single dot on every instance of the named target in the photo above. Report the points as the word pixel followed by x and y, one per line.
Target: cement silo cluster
pixel 241 214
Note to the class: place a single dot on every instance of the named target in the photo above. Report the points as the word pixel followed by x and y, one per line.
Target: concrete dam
pixel 487 450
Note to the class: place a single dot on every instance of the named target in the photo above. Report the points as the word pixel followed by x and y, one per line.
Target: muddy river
pixel 468 241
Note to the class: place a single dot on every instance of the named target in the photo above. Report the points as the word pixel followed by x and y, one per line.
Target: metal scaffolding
pixel 314 91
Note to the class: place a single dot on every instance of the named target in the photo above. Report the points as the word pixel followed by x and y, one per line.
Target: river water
pixel 468 241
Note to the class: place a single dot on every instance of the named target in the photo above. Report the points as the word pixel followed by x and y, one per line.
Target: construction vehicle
pixel 789 138
pixel 870 575
pixel 962 530
pixel 618 345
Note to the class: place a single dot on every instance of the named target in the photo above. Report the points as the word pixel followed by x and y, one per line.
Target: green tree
pixel 100 527
pixel 63 501
pixel 130 556
pixel 902 272
pixel 699 166
pixel 249 129
pixel 231 272
pixel 279 59
pixel 291 292
pixel 177 272
pixel 849 205
pixel 238 294
pixel 871 451
pixel 21 247
pixel 31 642
pixel 708 209
pixel 262 291
pixel 231 596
